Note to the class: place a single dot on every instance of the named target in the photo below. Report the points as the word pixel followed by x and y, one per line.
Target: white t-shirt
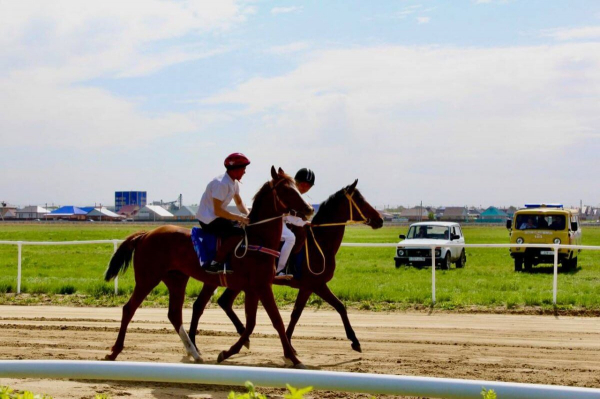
pixel 222 188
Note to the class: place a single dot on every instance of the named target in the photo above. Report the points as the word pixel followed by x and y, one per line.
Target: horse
pixel 347 206
pixel 167 254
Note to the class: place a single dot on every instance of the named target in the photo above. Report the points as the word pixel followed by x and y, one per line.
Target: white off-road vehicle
pixel 429 234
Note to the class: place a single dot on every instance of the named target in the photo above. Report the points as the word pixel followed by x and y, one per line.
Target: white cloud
pixel 285 10
pixel 48 50
pixel 430 114
pixel 289 48
pixel 583 33
pixel 423 20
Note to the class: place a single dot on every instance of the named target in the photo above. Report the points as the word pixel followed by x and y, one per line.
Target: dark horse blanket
pixel 205 245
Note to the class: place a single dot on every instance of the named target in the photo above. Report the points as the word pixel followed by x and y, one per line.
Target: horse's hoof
pixel 357 348
pixel 221 357
pixel 247 344
pixel 199 360
pixel 300 366
pixel 109 358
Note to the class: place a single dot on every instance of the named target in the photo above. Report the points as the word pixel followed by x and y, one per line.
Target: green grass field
pixel 365 278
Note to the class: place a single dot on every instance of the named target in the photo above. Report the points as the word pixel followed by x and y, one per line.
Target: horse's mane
pixel 258 199
pixel 330 205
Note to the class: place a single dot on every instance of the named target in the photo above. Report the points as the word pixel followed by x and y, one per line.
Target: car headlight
pixel 438 253
pixel 400 252
pixel 557 240
pixel 520 240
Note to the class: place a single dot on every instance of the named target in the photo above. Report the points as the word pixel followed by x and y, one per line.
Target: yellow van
pixel 544 224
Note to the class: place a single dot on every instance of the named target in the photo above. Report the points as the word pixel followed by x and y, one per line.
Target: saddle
pixel 206 246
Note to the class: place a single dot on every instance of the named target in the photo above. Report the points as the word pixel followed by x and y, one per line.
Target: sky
pixel 468 102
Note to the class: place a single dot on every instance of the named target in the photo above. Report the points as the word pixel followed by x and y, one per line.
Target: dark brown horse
pixel 324 238
pixel 167 254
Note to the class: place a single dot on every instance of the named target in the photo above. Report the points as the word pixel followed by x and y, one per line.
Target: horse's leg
pixel 225 301
pixel 140 292
pixel 198 309
pixel 176 282
pixel 251 306
pixel 268 301
pixel 301 300
pixel 324 292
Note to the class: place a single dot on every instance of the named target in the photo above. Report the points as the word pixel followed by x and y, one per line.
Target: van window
pixel 540 222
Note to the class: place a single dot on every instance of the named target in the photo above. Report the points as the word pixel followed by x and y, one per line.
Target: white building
pixel 153 212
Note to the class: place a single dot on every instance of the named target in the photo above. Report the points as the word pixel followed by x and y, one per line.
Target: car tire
pixel 462 260
pixel 528 263
pixel 518 264
pixel 398 264
pixel 446 264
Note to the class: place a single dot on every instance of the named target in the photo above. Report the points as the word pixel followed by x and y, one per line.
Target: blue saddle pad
pixel 205 245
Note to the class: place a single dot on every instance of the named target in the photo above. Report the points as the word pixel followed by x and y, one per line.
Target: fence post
pixel 433 274
pixel 555 282
pixel 19 250
pixel 116 278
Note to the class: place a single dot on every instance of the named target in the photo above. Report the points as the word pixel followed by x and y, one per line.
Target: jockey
pixel 305 179
pixel 213 215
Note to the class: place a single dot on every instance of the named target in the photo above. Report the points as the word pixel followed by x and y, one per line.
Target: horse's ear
pixel 273 173
pixel 280 172
pixel 351 187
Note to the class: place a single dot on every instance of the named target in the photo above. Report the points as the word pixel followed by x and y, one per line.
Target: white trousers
pixel 289 239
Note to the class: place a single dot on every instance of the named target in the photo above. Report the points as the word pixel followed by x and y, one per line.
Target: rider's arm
pixel 296 221
pixel 225 214
pixel 240 204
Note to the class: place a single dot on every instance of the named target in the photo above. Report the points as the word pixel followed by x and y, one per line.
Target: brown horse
pixel 324 238
pixel 167 254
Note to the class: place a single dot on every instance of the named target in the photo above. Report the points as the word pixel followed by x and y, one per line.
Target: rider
pixel 213 215
pixel 305 179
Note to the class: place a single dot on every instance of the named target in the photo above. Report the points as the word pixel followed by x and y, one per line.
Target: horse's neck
pixel 329 239
pixel 267 233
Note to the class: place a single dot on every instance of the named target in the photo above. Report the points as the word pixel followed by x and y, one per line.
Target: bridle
pixel 352 205
pixel 350 221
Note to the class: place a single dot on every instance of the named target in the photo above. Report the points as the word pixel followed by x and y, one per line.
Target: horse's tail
pixel 122 258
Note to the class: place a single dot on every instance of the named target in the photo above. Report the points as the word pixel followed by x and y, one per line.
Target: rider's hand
pixel 243 220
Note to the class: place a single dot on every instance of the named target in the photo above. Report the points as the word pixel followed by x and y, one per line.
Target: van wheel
pixel 462 260
pixel 447 263
pixel 528 264
pixel 518 264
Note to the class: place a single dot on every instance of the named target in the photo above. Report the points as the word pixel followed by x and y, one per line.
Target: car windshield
pixel 429 231
pixel 540 222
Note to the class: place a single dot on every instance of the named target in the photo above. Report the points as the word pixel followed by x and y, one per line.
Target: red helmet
pixel 236 160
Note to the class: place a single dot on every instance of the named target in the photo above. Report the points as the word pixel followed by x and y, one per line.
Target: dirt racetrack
pixel 532 349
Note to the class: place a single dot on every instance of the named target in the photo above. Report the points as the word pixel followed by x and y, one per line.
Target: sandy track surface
pixel 532 349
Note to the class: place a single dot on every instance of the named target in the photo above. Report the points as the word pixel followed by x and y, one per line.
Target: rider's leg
pixel 289 239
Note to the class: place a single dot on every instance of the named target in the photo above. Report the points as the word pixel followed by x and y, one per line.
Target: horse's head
pixel 348 205
pixel 286 194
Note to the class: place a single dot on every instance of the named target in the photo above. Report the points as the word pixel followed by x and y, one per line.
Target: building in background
pixel 123 198
pixel 31 212
pixel 154 213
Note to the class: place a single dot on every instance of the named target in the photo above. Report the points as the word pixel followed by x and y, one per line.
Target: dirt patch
pixel 517 348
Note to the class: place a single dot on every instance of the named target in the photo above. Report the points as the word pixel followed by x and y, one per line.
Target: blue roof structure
pixel 68 210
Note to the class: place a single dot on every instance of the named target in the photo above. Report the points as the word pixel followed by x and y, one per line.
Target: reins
pixel 348 222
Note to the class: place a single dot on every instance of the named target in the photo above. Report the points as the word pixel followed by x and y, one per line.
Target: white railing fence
pixel 278 378
pixel 555 248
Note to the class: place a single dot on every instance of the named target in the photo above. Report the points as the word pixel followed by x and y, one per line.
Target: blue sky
pixel 450 103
